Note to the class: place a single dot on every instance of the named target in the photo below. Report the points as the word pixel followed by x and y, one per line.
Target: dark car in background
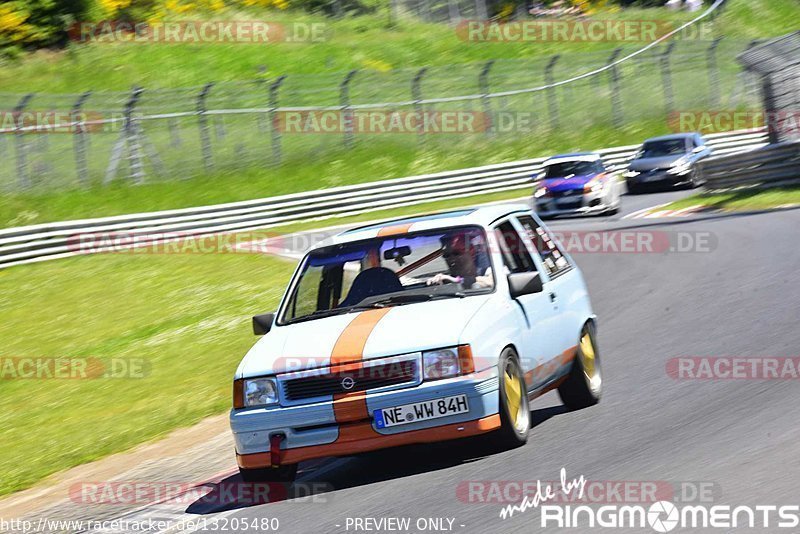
pixel 666 161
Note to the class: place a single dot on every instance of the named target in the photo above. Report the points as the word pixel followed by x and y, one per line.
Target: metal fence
pixel 70 238
pixel 777 64
pixel 169 134
pixel 770 166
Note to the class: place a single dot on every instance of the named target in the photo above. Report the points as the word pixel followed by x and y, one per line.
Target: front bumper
pixel 576 204
pixel 346 426
pixel 658 177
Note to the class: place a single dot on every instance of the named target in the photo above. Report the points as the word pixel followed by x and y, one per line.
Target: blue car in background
pixel 576 184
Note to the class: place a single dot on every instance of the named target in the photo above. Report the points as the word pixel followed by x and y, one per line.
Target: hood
pixel 567 184
pixel 388 332
pixel 646 164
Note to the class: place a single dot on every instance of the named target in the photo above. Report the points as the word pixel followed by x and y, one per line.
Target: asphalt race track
pixel 713 285
pixel 736 298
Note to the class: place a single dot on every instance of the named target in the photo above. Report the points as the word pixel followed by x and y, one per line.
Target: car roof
pixel 575 156
pixel 478 216
pixel 671 137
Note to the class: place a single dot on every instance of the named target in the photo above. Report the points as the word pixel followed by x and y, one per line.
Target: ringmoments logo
pixel 664 516
pixel 660 516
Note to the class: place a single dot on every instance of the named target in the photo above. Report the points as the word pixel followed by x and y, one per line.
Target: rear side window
pixel 515 254
pixel 552 256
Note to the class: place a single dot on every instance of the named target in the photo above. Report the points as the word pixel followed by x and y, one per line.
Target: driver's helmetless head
pixel 458 254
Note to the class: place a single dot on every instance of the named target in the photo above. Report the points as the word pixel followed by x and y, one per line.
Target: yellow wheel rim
pixel 588 355
pixel 513 389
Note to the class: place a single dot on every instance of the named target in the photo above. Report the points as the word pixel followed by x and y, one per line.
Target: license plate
pixel 421 411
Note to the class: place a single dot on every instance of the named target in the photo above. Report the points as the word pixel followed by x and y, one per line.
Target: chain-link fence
pixel 168 134
pixel 777 65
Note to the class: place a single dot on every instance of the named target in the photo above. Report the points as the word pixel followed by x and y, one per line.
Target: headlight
pixel 631 174
pixel 260 392
pixel 539 193
pixel 679 169
pixel 679 166
pixel 680 162
pixel 441 363
pixel 593 187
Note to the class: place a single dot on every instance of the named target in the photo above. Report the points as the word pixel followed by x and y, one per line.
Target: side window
pixel 516 257
pixel 552 256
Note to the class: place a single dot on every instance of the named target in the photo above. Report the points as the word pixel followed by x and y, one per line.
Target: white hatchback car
pixel 411 331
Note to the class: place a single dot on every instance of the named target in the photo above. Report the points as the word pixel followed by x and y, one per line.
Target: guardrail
pixel 769 166
pixel 58 240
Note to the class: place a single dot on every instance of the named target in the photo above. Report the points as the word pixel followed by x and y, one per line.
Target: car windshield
pixel 390 271
pixel 566 169
pixel 659 149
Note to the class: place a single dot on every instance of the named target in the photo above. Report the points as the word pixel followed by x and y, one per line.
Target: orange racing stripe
pixel 394 230
pixel 559 361
pixel 349 349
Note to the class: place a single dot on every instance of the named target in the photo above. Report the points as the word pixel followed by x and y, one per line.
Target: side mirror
pixel 524 284
pixel 263 323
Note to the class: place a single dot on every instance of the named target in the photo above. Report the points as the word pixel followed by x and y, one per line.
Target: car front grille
pixel 568 193
pixel 370 376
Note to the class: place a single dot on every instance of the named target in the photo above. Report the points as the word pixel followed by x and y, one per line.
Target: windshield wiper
pixel 327 313
pixel 411 298
pixel 382 302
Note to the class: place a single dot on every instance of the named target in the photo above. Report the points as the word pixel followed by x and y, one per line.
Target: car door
pixel 563 287
pixel 537 312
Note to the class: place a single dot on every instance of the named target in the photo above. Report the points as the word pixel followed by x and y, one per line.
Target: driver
pixel 463 258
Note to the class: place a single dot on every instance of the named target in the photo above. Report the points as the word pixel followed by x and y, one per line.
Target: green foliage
pixel 38 23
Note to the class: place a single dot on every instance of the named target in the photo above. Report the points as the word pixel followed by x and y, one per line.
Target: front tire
pixel 282 473
pixel 693 181
pixel 584 384
pixel 515 414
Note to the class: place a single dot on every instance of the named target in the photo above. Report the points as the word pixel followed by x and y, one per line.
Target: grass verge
pixel 754 199
pixel 365 42
pixel 377 160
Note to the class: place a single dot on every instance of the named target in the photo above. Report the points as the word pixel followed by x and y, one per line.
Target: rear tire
pixel 584 384
pixel 282 473
pixel 515 414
